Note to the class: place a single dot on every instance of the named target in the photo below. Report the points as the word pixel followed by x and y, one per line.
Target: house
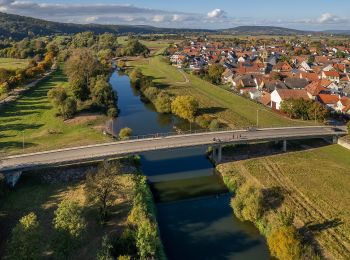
pixel 227 76
pixel 282 66
pixel 304 66
pixel 343 105
pixel 315 88
pixel 280 95
pixel 330 101
pixel 296 83
pixel 331 75
pixel 265 98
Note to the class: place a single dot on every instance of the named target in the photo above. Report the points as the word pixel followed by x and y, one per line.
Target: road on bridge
pixel 123 148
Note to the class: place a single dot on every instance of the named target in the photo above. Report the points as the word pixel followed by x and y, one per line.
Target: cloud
pixel 158 18
pixel 326 18
pixel 216 13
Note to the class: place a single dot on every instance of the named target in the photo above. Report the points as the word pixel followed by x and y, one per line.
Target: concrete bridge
pixel 138 145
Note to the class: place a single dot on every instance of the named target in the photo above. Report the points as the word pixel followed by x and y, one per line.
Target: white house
pixel 280 95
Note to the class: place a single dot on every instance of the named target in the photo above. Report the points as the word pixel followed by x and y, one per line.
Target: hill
pixel 19 27
pixel 263 30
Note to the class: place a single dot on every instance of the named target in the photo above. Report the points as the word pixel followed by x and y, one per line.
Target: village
pixel 275 70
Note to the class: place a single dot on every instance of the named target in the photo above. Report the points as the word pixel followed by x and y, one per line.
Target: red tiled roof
pixel 328 99
pixel 315 88
pixel 331 73
pixel 292 94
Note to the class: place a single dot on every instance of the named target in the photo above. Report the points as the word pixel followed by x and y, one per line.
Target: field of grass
pixel 317 187
pixel 232 109
pixel 13 64
pixel 33 195
pixel 33 119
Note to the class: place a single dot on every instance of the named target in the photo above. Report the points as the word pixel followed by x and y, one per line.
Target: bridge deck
pixel 123 148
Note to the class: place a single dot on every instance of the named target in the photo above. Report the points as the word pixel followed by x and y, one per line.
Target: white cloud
pixel 91 19
pixel 216 13
pixel 158 18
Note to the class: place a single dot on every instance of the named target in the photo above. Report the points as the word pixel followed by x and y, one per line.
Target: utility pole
pixel 23 140
pixel 315 117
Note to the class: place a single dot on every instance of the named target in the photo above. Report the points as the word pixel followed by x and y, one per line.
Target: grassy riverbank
pixel 131 224
pixel 315 185
pixel 33 118
pixel 230 108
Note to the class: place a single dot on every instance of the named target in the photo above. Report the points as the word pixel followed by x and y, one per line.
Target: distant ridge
pixel 263 30
pixel 19 27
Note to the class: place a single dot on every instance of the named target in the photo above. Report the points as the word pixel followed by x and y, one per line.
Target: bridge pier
pixel 335 139
pixel 12 178
pixel 217 153
pixel 284 148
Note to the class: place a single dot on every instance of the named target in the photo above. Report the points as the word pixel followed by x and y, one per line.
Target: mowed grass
pixel 232 109
pixel 13 64
pixel 32 195
pixel 317 185
pixel 33 119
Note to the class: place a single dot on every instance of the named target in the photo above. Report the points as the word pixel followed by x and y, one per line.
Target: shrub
pixel 151 93
pixel 125 133
pixel 204 120
pixel 185 107
pixel 112 112
pixel 163 102
pixel 284 243
pixel 214 125
pixel 25 237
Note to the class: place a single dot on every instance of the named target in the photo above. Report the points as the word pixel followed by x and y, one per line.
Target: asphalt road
pixel 136 146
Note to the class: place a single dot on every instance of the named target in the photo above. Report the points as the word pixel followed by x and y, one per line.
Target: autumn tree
pixel 80 67
pixel 125 133
pixel 284 243
pixel 69 225
pixel 163 102
pixel 25 240
pixel 215 72
pixel 66 105
pixel 103 186
pixel 185 107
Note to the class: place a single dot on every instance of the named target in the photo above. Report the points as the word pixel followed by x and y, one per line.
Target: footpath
pixel 17 92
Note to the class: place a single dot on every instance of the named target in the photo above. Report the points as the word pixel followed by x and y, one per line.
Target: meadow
pixel 316 187
pixel 13 64
pixel 32 120
pixel 231 109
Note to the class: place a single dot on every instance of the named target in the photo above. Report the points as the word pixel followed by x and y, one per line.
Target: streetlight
pixel 23 140
pixel 257 118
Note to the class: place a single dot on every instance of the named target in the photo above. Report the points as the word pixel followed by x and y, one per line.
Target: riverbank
pixel 214 101
pixel 41 192
pixel 313 193
pixel 31 121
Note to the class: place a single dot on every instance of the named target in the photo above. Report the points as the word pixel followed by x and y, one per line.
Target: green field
pixel 33 119
pixel 32 195
pixel 232 109
pixel 13 64
pixel 316 184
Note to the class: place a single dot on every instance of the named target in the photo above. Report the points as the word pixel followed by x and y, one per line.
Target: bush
pixel 163 102
pixel 25 240
pixel 214 125
pixel 248 203
pixel 112 112
pixel 185 107
pixel 284 243
pixel 204 120
pixel 125 133
pixel 135 77
pixel 151 93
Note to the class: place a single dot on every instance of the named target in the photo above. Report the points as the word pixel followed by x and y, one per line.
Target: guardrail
pixel 124 152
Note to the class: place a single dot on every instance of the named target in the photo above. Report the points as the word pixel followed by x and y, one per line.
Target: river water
pixel 193 205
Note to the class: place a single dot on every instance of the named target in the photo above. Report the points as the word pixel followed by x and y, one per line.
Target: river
pixel 193 205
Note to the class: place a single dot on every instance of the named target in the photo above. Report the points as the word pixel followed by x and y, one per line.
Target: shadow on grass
pixel 319 227
pixel 211 110
pixel 19 127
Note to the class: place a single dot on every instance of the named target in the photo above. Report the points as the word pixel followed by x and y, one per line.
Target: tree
pixel 103 186
pixel 185 107
pixel 125 133
pixel 121 64
pixel 105 252
pixel 284 243
pixel 304 109
pixel 66 106
pixel 146 239
pixel 134 48
pixel 80 67
pixel 69 225
pixel 215 72
pixel 102 93
pixel 163 103
pixel 25 240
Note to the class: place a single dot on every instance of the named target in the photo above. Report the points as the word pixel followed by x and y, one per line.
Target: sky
pixel 203 14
